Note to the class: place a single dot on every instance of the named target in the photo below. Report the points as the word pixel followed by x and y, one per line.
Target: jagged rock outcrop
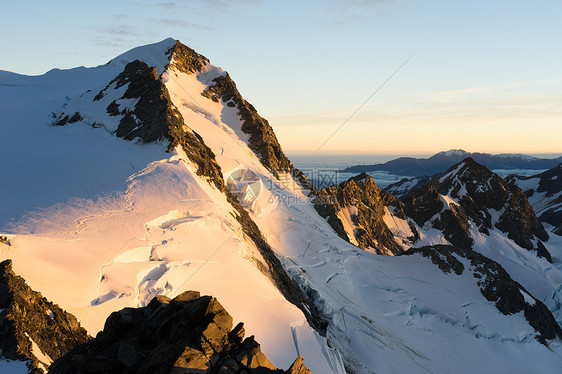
pixel 470 191
pixel 544 192
pixel 28 322
pixel 365 202
pixel 187 334
pixel 185 59
pixel 496 285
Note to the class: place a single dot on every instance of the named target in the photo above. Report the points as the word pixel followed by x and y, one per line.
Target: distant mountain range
pixel 443 160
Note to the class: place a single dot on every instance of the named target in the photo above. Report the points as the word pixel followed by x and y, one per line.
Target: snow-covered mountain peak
pixel 168 53
pixel 452 153
pixel 517 155
pixel 155 54
pixel 482 199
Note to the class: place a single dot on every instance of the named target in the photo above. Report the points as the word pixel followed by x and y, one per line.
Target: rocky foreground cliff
pixel 32 329
pixel 187 334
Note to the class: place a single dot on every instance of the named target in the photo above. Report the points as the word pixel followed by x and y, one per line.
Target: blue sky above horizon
pixel 486 75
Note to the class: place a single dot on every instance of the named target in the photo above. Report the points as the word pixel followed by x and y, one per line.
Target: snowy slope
pixel 98 223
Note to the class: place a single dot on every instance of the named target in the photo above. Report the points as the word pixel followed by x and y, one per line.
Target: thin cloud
pixel 182 24
pixel 366 4
pixel 476 93
pixel 168 5
pixel 122 30
pixel 350 11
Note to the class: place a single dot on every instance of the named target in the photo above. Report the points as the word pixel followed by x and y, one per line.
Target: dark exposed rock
pixel 26 316
pixel 65 119
pixel 361 193
pixel 426 205
pixel 496 285
pixel 326 204
pixel 478 192
pixel 188 334
pixel 155 118
pixel 262 138
pixel 406 185
pixel 154 113
pixel 185 59
pixel 298 367
pixel 544 192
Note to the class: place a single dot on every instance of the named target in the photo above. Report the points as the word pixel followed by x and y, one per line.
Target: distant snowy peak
pixel 544 192
pixel 452 153
pixel 469 194
pixel 517 155
pixel 461 154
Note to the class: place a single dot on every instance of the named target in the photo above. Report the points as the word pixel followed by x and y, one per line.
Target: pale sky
pixel 486 76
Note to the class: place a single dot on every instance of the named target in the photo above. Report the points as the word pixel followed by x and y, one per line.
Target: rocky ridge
pixel 187 334
pixel 33 329
pixel 262 141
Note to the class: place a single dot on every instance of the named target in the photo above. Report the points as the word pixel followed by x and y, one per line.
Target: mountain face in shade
pixel 366 216
pixel 544 192
pixel 123 197
pixel 417 167
pixel 188 334
pixel 469 191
